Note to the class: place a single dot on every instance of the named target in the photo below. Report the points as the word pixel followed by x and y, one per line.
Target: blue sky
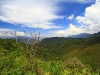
pixel 54 17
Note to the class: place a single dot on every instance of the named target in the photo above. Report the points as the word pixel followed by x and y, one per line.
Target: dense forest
pixel 54 56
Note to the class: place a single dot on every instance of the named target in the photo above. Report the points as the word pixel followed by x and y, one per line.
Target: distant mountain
pixel 95 34
pixel 3 37
pixel 28 40
pixel 24 39
pixel 83 35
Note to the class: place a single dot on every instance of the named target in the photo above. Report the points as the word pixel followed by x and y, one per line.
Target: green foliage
pixel 87 50
pixel 53 58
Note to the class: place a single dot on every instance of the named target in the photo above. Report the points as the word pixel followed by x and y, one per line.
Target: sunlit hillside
pixel 63 56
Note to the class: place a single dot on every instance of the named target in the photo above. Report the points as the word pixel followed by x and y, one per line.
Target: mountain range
pixel 84 35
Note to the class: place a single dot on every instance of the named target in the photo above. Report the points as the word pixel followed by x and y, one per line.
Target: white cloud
pixel 29 13
pixel 4 29
pixel 83 1
pixel 44 26
pixel 10 32
pixel 70 17
pixel 89 23
pixel 78 1
pixel 91 18
pixel 1 34
pixel 71 30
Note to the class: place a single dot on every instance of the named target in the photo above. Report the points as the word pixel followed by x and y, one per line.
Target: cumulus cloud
pixel 71 30
pixel 70 17
pixel 88 23
pixel 91 18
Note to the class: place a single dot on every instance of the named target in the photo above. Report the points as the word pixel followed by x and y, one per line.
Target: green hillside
pixel 87 50
pixel 89 55
pixel 54 56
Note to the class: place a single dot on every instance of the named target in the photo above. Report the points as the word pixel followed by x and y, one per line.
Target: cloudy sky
pixel 50 17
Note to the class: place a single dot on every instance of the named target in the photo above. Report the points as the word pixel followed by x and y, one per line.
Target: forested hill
pixel 86 49
pixel 62 56
pixel 90 40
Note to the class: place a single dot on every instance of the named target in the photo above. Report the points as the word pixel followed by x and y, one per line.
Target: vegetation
pixel 54 56
pixel 86 50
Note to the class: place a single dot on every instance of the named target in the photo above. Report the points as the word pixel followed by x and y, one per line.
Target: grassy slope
pixel 89 55
pixel 13 61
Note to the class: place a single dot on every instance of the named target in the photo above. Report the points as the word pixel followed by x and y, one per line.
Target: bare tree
pixel 30 50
